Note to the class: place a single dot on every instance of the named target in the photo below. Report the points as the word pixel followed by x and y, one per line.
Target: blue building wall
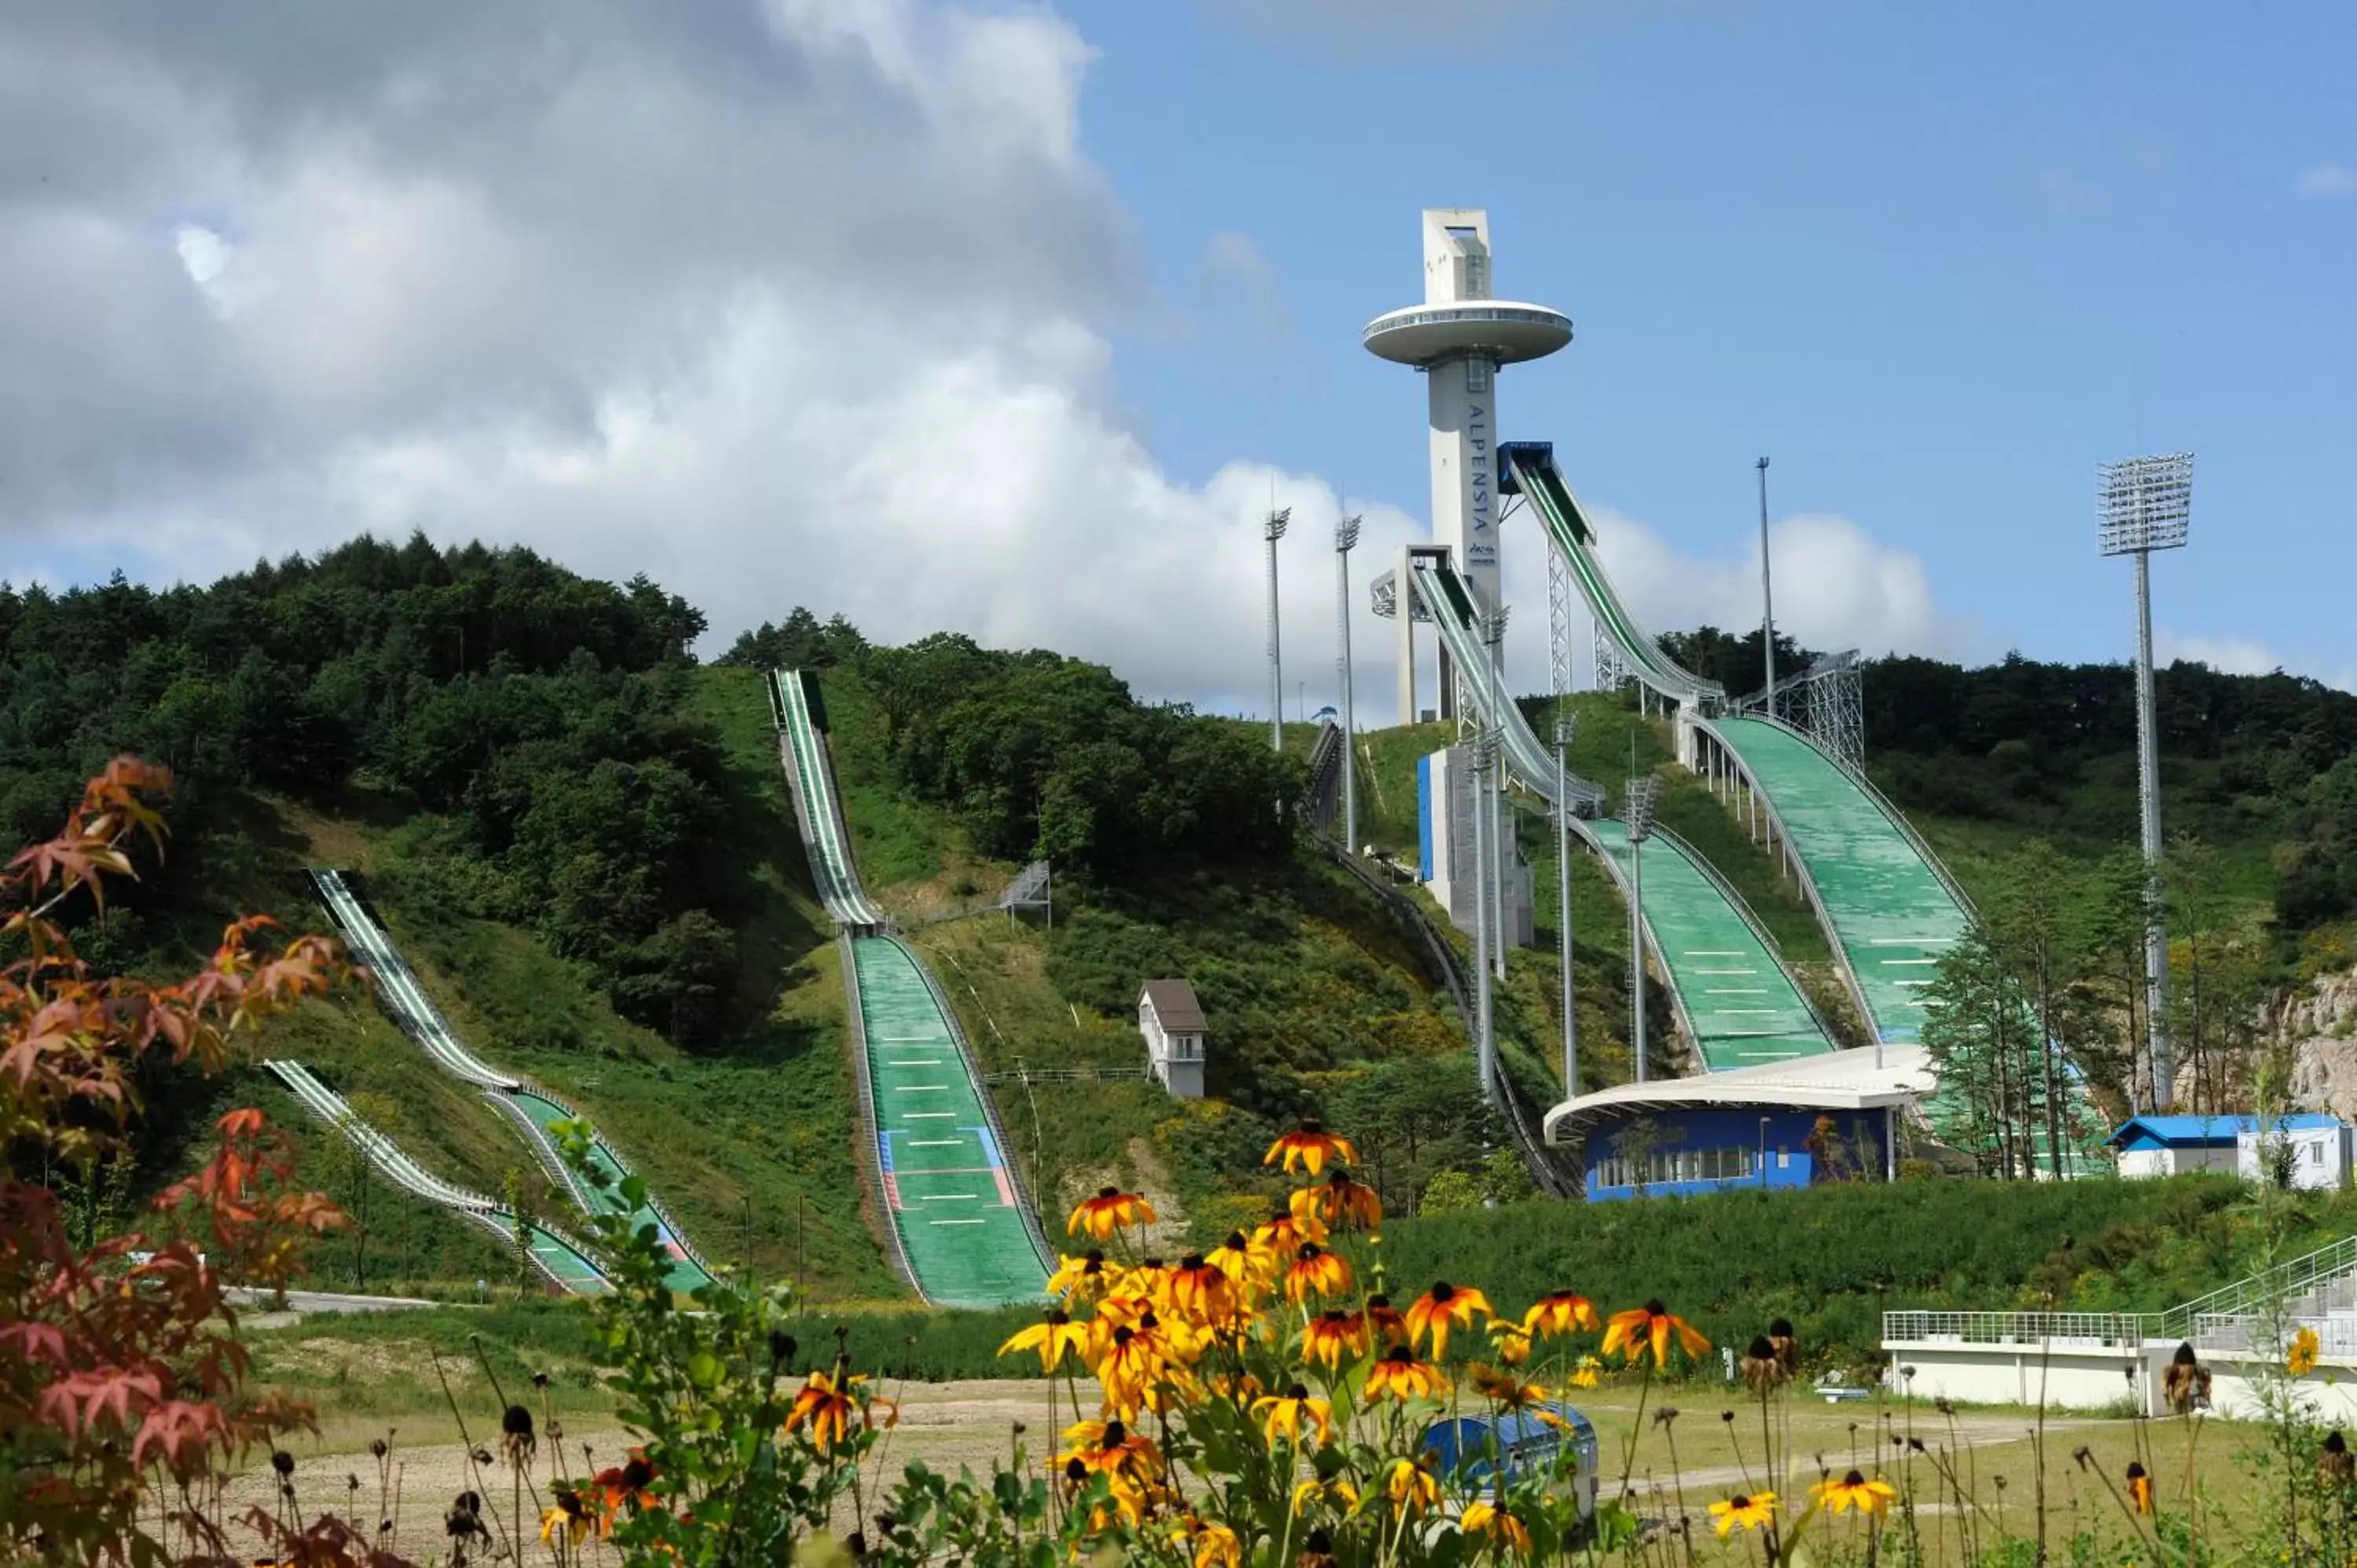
pixel 1725 1144
pixel 1424 818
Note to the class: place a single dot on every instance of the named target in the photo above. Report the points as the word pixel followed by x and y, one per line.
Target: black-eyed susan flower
pixel 625 1485
pixel 1283 1416
pixel 1504 1528
pixel 1762 1371
pixel 2139 1488
pixel 1208 1544
pixel 1854 1491
pixel 1054 1337
pixel 1398 1373
pixel 1111 1448
pixel 1200 1292
pixel 1558 1312
pixel 1316 1272
pixel 1513 1341
pixel 1249 1271
pixel 1755 1511
pixel 2306 1351
pixel 1330 1336
pixel 1284 1233
pixel 1127 1362
pixel 571 1518
pixel 1110 1211
pixel 1653 1325
pixel 2335 1465
pixel 1409 1485
pixel 1340 1202
pixel 1083 1278
pixel 1384 1321
pixel 1509 1392
pixel 1587 1373
pixel 825 1406
pixel 1336 1493
pixel 1787 1344
pixel 1435 1309
pixel 1310 1146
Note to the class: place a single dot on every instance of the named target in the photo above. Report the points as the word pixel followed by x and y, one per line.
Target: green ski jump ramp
pixel 564 1263
pixel 961 1231
pixel 531 1112
pixel 1734 995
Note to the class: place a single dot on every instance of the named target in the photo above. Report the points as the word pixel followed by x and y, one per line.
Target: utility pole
pixel 1345 535
pixel 1494 634
pixel 1767 599
pixel 1564 729
pixel 1485 1049
pixel 2142 505
pixel 1272 529
pixel 1637 808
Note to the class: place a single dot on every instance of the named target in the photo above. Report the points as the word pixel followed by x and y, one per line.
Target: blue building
pixel 1779 1124
pixel 2315 1148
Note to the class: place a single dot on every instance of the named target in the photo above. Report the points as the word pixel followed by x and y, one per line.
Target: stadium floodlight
pixel 1567 728
pixel 1346 538
pixel 1485 1042
pixel 1493 634
pixel 2144 504
pixel 1272 529
pixel 1639 802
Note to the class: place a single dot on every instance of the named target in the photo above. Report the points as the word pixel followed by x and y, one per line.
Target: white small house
pixel 1172 1022
pixel 2315 1148
pixel 2169 1146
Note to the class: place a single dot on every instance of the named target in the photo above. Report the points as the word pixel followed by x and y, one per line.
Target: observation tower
pixel 1459 337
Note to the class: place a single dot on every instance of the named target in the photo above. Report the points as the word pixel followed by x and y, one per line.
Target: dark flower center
pixel 1123 1334
pixel 1781 1329
pixel 1655 1309
pixel 1320 1542
pixel 1378 1302
pixel 637 1473
pixel 1443 1293
pixel 1108 1192
pixel 1149 1321
pixel 2184 1356
pixel 1853 1479
pixel 1399 1355
pixel 1074 1470
pixel 1313 1127
pixel 2335 1443
pixel 1760 1349
pixel 1738 1503
pixel 1192 1262
pixel 1115 1434
pixel 1296 1391
pixel 1309 1250
pixel 1235 1242
pixel 1342 1319
pixel 1059 1318
pixel 517 1421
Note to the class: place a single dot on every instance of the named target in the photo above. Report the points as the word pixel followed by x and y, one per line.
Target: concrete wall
pixel 2091 1377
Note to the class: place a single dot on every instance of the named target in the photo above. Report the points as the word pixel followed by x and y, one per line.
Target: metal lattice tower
pixel 1834 708
pixel 1611 670
pixel 1559 600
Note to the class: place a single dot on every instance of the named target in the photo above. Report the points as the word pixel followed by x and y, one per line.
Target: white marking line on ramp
pixel 934 1142
pixel 1735 990
pixel 925 1115
pixel 1713 952
pixel 1918 961
pixel 917 1061
pixel 947 1197
pixel 916 1088
pixel 1914 982
pixel 1727 971
pixel 1908 941
pixel 957 1222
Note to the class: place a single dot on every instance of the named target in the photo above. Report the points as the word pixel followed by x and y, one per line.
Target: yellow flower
pixel 1410 1486
pixel 826 1404
pixel 1249 1271
pixel 1201 1291
pixel 1481 1519
pixel 1558 1312
pixel 1282 1416
pixel 569 1518
pixel 2139 1488
pixel 1330 1336
pixel 1510 1393
pixel 1053 1338
pixel 1107 1212
pixel 1436 1308
pixel 1854 1491
pixel 1399 1374
pixel 1584 1375
pixel 1340 1202
pixel 1109 1447
pixel 1282 1236
pixel 1513 1342
pixel 2305 1350
pixel 1316 1272
pixel 1311 1145
pixel 1339 1491
pixel 1754 1512
pixel 1083 1278
pixel 1632 1331
pixel 1214 1545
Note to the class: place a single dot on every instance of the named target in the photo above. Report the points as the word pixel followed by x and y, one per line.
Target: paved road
pixel 301 1301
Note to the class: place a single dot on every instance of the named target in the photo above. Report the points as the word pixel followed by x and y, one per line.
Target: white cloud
pixel 2227 655
pixel 2327 179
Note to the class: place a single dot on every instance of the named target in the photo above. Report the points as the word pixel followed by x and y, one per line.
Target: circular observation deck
pixel 1505 330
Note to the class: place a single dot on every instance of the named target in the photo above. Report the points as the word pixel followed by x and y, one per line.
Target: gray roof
pixel 1174 1005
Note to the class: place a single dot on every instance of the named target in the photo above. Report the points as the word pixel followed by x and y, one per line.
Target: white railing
pixel 2289 1283
pixel 2244 1333
pixel 2057 1330
pixel 403 997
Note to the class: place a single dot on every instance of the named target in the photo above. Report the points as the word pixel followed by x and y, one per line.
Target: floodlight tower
pixel 1458 337
pixel 1485 1044
pixel 1346 536
pixel 1567 729
pixel 1637 803
pixel 2142 505
pixel 1272 529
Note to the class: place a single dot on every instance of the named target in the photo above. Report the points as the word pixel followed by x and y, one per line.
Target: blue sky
pixel 1011 319
pixel 1938 261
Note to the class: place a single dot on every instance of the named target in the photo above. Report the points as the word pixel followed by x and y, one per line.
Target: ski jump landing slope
pixel 1734 995
pixel 960 1232
pixel 531 1112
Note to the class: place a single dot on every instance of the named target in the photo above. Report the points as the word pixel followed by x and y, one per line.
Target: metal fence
pixel 2075 1330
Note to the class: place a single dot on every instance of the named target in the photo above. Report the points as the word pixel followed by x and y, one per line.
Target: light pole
pixel 1272 529
pixel 1763 1153
pixel 2142 505
pixel 1637 806
pixel 1565 730
pixel 1485 1059
pixel 1493 634
pixel 1767 598
pixel 1346 534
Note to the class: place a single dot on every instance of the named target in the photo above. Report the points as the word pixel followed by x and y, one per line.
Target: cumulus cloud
pixel 2326 180
pixel 803 302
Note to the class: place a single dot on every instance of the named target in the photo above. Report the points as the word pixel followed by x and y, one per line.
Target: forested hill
pixel 2262 768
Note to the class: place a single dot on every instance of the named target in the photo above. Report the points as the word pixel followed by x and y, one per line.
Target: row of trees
pixel 2044 998
pixel 541 719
